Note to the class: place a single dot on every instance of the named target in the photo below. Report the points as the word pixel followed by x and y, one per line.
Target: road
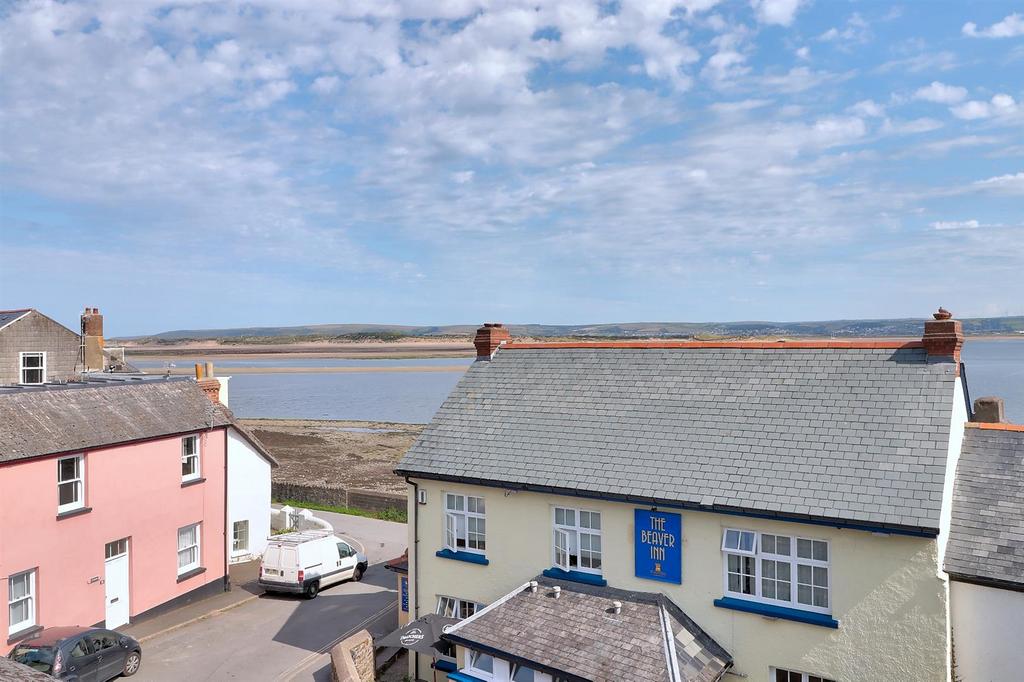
pixel 278 637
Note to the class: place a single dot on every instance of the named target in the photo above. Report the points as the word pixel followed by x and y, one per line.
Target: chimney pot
pixel 989 410
pixel 943 336
pixel 488 338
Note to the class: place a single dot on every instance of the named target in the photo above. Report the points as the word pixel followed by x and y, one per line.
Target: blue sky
pixel 222 164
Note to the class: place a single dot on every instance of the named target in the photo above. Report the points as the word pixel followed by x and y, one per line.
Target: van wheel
pixel 313 589
pixel 357 574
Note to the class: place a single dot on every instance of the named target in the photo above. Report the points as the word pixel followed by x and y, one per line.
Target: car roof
pixel 50 636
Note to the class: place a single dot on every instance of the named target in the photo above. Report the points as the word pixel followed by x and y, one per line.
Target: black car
pixel 80 654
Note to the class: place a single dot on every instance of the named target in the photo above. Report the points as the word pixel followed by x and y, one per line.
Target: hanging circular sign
pixel 412 636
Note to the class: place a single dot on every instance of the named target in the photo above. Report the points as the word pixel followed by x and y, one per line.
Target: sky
pixel 192 164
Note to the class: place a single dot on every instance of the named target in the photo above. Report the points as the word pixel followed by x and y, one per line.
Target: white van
pixel 305 562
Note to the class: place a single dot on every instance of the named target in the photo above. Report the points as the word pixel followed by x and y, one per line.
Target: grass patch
pixel 389 514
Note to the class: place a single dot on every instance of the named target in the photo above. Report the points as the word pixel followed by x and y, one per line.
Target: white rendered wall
pixel 988 625
pixel 248 495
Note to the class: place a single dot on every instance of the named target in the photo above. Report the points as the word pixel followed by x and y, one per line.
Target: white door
pixel 116 583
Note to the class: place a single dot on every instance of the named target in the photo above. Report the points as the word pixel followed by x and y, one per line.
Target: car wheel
pixel 357 574
pixel 313 589
pixel 132 663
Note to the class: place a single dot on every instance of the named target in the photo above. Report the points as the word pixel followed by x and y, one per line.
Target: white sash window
pixel 576 542
pixel 465 523
pixel 188 548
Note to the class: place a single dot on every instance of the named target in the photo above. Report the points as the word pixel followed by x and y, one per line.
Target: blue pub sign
pixel 658 545
pixel 405 594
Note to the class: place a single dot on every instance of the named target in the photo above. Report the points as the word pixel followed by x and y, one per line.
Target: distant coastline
pixel 406 349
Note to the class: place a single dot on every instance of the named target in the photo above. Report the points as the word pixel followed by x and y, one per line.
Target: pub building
pixel 680 510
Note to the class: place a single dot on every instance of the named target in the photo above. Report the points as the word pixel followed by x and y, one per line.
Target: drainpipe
pixel 415 558
pixel 224 540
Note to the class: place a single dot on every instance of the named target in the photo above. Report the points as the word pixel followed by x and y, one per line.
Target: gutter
pixel 913 531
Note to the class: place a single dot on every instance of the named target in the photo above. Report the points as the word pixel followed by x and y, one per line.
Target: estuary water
pixel 994 367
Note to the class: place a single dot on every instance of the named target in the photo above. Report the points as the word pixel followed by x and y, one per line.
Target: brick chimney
pixel 92 340
pixel 488 338
pixel 209 384
pixel 211 387
pixel 989 410
pixel 943 336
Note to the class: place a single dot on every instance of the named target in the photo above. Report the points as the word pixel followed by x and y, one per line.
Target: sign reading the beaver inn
pixel 658 545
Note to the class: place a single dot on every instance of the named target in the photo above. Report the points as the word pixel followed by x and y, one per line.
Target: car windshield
pixel 38 657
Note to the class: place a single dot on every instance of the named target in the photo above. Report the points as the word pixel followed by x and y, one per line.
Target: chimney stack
pixel 943 336
pixel 488 338
pixel 211 387
pixel 989 410
pixel 92 340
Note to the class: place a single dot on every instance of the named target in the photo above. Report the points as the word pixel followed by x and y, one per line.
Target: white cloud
pixel 780 12
pixel 868 108
pixel 1010 27
pixel 855 31
pixel 956 225
pixel 803 53
pixel 1012 183
pixel 1001 105
pixel 916 126
pixel 325 85
pixel 941 93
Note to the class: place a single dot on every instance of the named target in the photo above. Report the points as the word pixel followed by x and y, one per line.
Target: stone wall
pixel 366 500
pixel 352 659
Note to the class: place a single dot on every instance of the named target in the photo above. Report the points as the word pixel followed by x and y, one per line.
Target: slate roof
pixel 12 671
pixel 54 419
pixel 849 433
pixel 8 316
pixel 986 537
pixel 579 636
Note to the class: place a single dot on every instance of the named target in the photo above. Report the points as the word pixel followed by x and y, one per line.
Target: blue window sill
pixel 445 666
pixel 469 557
pixel 772 611
pixel 576 577
pixel 463 677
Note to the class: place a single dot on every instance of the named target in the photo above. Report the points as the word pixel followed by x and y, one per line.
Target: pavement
pixel 246 635
pixel 244 588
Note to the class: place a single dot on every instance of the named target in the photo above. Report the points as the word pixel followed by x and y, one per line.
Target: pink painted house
pixel 112 502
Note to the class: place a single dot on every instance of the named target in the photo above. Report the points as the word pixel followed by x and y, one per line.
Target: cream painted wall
pixel 987 626
pixel 886 594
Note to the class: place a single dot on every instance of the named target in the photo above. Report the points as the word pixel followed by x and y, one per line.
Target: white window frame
pixel 198 546
pixel 471 658
pixel 78 482
pixel 197 456
pixel 22 368
pixel 457 522
pixel 30 597
pixel 804 677
pixel 460 607
pixel 570 534
pixel 235 549
pixel 759 556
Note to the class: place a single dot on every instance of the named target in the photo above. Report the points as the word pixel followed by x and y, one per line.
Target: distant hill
pixel 909 327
